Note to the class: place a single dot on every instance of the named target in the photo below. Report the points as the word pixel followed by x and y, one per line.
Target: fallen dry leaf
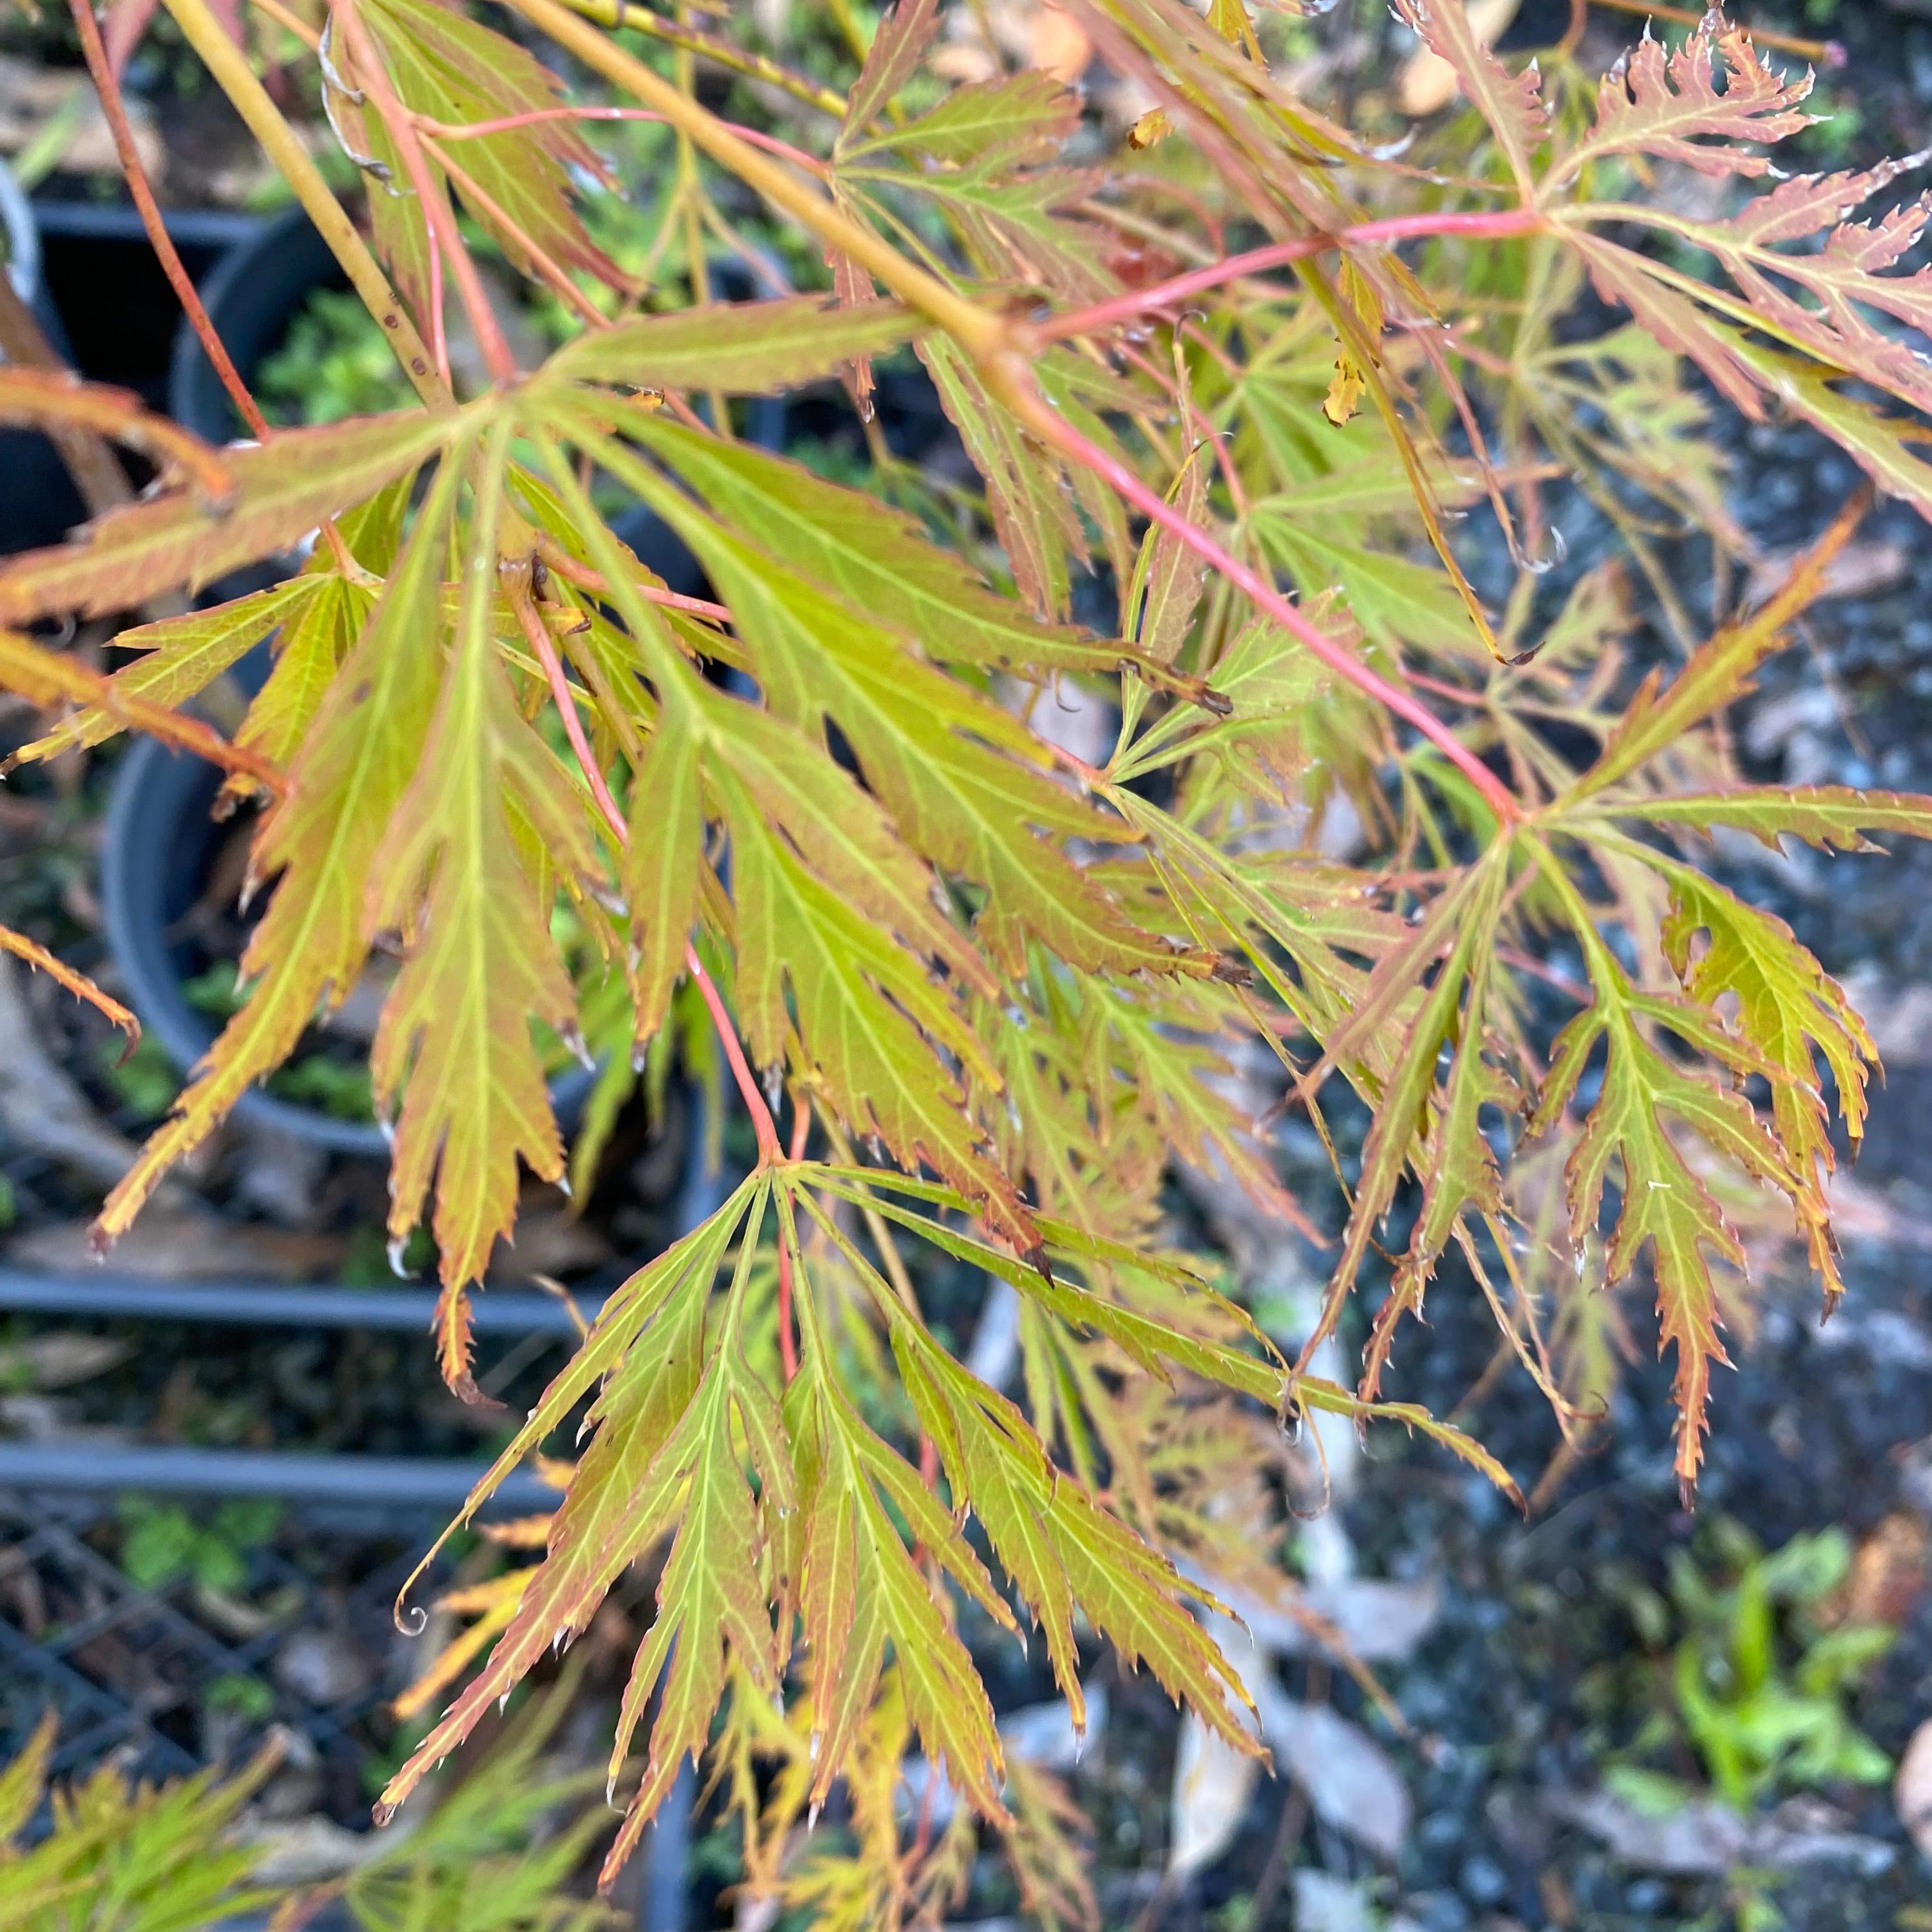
pixel 1887 1575
pixel 61 1359
pixel 1704 1837
pixel 1858 570
pixel 185 1244
pixel 1912 1789
pixel 1213 1784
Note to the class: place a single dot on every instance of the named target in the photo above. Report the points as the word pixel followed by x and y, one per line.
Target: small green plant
pixel 162 1542
pixel 1758 1684
pixel 141 1077
pixel 123 1857
pixel 335 363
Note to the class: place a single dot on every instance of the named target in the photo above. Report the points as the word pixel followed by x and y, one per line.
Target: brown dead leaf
pixel 1889 1574
pixel 1858 570
pixel 1912 1789
pixel 185 1244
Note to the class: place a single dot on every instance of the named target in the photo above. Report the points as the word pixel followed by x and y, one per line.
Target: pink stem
pixel 444 236
pixel 541 642
pixel 1051 428
pixel 1137 302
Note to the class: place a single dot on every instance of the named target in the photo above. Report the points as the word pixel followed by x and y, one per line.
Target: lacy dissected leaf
pixel 1179 1074
pixel 1793 1013
pixel 903 35
pixel 1512 104
pixel 1395 599
pixel 649 1350
pixel 183 656
pixel 1150 1342
pixel 1021 226
pixel 873 557
pixel 1719 671
pixel 1168 581
pixel 179 541
pixel 664 864
pixel 735 348
pixel 715 1593
pixel 1878 441
pixel 517 182
pixel 1262 902
pixel 1452 1158
pixel 1051 1850
pixel 1022 118
pixel 314 644
pixel 1812 297
pixel 1158 1345
pixel 839 832
pixel 1646 1100
pixel 860 1591
pixel 1292 728
pixel 1695 106
pixel 47 677
pixel 37 956
pixel 23 1782
pixel 1062 1549
pixel 1846 273
pixel 1832 818
pixel 1036 523
pixel 454 1041
pixel 870 1019
pixel 361 754
pixel 1090 1156
pixel 926 743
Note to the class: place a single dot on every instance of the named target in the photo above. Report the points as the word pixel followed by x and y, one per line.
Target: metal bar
pixel 498 1311
pixel 210 228
pixel 377 1482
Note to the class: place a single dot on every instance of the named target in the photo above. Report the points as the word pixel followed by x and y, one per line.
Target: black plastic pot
pixel 38 503
pixel 159 850
pixel 119 309
pixel 254 297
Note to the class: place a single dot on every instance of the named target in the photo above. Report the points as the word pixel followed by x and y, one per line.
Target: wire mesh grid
pixel 172 1677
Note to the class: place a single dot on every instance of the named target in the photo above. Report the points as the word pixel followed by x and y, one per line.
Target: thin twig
pixel 293 22
pixel 441 217
pixel 516 583
pixel 1492 224
pixel 567 567
pixel 292 161
pixel 691 40
pixel 472 130
pixel 1051 428
pixel 138 186
pixel 546 265
pixel 1827 53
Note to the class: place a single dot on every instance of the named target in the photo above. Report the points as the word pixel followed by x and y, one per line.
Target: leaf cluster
pixel 1006 918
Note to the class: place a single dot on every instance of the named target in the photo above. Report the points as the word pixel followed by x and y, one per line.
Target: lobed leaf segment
pixel 1355 823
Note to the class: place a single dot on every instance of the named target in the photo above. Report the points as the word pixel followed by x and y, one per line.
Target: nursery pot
pixel 117 309
pixel 161 853
pixel 38 503
pixel 256 292
pixel 253 296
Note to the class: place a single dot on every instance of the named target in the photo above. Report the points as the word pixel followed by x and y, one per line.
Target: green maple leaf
pixel 455 1040
pixel 1647 1098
